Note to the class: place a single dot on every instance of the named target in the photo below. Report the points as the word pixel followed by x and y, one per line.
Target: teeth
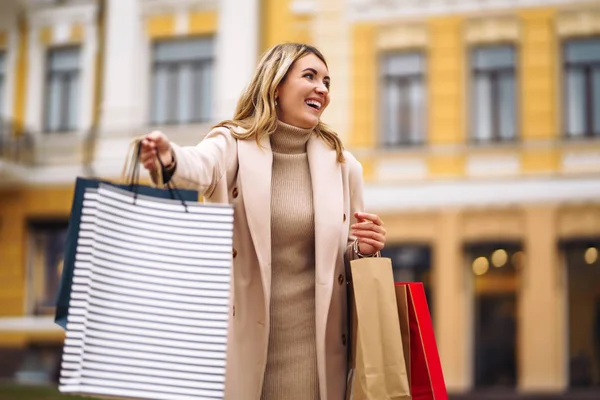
pixel 314 103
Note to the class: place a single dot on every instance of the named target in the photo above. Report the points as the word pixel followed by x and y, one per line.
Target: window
pixel 2 82
pixel 495 268
pixel 46 248
pixel 403 99
pixel 182 81
pixel 493 94
pixel 583 273
pixel 62 89
pixel 582 88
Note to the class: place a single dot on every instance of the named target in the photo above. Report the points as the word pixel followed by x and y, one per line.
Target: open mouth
pixel 314 104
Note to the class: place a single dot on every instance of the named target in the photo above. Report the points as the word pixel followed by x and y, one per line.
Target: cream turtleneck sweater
pixel 291 372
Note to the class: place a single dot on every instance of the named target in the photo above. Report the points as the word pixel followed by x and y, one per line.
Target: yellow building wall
pixel 45 35
pixel 165 25
pixel 160 26
pixel 202 23
pixel 17 207
pixel 446 43
pixel 77 33
pixel 446 94
pixel 539 82
pixel 276 23
pixel 280 24
pixel 20 91
pixel 446 81
pixel 364 86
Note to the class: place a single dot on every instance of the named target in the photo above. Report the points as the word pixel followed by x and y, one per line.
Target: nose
pixel 322 89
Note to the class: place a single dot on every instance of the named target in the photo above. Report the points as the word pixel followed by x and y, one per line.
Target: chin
pixel 310 122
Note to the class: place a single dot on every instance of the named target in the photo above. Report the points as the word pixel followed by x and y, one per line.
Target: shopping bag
pixel 130 177
pixel 422 358
pixel 149 308
pixel 377 368
pixel 81 185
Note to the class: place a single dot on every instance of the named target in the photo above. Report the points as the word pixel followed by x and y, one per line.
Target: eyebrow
pixel 314 71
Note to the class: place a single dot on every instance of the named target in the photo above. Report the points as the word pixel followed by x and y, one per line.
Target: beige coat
pixel 212 167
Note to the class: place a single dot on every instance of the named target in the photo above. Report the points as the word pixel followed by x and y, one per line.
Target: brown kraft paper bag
pixel 377 368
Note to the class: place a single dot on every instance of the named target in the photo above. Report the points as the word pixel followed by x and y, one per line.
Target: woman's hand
pixel 370 233
pixel 153 144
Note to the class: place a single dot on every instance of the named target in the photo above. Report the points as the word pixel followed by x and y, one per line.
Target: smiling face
pixel 304 94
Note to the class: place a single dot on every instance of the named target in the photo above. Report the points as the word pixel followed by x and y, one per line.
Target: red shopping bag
pixel 421 354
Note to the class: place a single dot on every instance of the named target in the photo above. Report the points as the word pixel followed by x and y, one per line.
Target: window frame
pixel 589 95
pixel 41 304
pixel 405 81
pixel 496 73
pixel 70 76
pixel 172 89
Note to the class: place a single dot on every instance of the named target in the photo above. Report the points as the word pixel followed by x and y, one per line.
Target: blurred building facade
pixel 477 124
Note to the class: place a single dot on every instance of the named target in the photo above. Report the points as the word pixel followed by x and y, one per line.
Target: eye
pixel 309 75
pixel 327 84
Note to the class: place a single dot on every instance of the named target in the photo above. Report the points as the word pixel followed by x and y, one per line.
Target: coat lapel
pixel 255 166
pixel 328 200
pixel 326 178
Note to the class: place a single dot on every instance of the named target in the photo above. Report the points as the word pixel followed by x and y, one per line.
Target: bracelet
pixel 356 251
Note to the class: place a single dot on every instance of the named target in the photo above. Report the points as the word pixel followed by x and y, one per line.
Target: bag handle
pixel 131 171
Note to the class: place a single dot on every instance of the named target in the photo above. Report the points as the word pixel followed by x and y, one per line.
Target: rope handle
pixel 131 171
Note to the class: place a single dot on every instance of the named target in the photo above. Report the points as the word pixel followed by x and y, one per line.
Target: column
pixel 236 52
pixel 452 297
pixel 120 104
pixel 542 312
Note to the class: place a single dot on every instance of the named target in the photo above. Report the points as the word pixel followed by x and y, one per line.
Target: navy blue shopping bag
pixel 64 292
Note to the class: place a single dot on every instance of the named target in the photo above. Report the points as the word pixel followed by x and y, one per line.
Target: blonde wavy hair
pixel 255 111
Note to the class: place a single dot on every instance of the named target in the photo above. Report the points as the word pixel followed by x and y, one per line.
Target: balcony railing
pixel 25 148
pixel 15 147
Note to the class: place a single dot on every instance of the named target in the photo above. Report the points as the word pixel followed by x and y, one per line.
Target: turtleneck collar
pixel 289 139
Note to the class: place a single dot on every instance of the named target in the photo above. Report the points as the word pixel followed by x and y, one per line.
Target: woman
pixel 294 190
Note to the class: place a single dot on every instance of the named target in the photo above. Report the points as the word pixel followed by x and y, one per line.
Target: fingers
pixel 369 235
pixel 154 144
pixel 148 154
pixel 374 246
pixel 159 140
pixel 369 230
pixel 369 226
pixel 155 135
pixel 374 218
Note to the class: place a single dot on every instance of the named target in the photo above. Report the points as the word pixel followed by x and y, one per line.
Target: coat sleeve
pixel 201 167
pixel 355 177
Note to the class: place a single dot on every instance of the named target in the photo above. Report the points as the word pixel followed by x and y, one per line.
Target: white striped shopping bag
pixel 149 306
